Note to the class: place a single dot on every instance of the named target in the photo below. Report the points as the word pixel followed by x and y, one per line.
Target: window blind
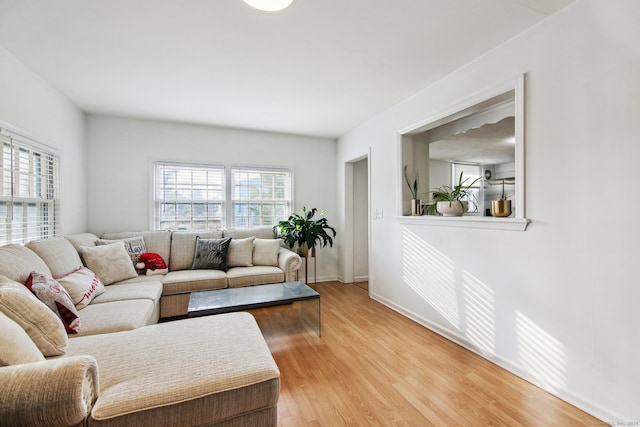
pixel 189 197
pixel 260 196
pixel 29 204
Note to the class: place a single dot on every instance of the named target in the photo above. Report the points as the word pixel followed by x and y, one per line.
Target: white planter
pixel 452 208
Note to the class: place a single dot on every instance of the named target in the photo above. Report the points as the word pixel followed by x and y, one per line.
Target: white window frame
pixel 29 188
pixel 228 201
pixel 213 208
pixel 261 204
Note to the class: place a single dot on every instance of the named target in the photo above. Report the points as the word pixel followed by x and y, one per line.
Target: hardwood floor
pixel 373 366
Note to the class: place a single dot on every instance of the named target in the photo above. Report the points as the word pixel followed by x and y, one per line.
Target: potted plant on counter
pixel 416 204
pixel 501 207
pixel 453 201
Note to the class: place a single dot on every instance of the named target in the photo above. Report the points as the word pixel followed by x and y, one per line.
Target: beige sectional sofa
pixel 123 367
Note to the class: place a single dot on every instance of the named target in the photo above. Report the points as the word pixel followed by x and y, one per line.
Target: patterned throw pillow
pixel 82 285
pixel 211 254
pixel 56 298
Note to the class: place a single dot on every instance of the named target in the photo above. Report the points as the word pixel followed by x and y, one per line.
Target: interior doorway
pixel 357 227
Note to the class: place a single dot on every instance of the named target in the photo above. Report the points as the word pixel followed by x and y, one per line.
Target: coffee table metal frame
pixel 218 301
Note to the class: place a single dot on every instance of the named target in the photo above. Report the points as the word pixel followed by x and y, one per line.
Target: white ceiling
pixel 320 67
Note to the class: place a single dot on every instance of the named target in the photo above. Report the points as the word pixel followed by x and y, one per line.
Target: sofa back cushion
pixel 183 248
pixel 41 324
pixel 15 345
pixel 17 262
pixel 58 253
pixel 257 232
pixel 81 239
pixel 158 242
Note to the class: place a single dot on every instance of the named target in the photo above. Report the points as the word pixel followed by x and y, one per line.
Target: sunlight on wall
pixel 460 297
pixel 540 354
pixel 431 275
pixel 479 313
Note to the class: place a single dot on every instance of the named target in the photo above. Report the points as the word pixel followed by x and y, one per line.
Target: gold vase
pixel 416 207
pixel 304 251
pixel 501 208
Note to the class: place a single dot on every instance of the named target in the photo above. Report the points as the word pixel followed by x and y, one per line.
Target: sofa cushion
pixel 15 345
pixel 183 248
pixel 151 290
pixel 211 254
pixel 54 296
pixel 111 262
pixel 256 275
pixel 223 370
pixel 240 253
pixel 116 316
pixel 38 321
pixel 83 286
pixel 257 232
pixel 154 241
pixel 134 246
pixel 183 281
pixel 58 253
pixel 265 251
pixel 17 262
pixel 81 239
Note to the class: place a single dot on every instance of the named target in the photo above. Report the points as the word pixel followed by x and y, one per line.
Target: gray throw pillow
pixel 211 254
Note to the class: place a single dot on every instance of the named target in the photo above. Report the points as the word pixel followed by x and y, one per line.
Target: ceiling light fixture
pixel 269 5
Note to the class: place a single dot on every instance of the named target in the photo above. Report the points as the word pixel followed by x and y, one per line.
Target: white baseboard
pixel 360 279
pixel 579 402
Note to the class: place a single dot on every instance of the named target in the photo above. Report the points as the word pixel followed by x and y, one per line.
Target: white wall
pixel 558 302
pixel 121 153
pixel 31 105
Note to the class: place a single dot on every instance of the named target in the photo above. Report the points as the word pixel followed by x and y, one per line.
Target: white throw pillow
pixel 83 285
pixel 134 245
pixel 265 251
pixel 240 252
pixel 15 345
pixel 111 262
pixel 41 324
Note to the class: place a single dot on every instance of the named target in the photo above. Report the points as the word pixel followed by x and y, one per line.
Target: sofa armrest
pixel 289 262
pixel 57 392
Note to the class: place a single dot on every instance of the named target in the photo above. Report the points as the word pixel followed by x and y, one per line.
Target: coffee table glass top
pixel 236 299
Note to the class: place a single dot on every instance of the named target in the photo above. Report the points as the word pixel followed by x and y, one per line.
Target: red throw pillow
pixel 152 263
pixel 54 296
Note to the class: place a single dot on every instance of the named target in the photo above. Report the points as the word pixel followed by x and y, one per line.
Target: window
pixel 260 197
pixel 470 173
pixel 189 197
pixel 193 197
pixel 29 189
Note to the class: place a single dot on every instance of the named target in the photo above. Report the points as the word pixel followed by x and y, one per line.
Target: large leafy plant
pixel 304 229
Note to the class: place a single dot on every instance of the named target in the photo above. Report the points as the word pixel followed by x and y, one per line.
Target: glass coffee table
pixel 227 300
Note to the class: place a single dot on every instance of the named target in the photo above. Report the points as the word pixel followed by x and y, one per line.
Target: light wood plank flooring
pixel 373 366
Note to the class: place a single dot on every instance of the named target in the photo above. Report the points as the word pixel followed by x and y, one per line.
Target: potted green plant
pixel 450 201
pixel 501 207
pixel 305 231
pixel 416 208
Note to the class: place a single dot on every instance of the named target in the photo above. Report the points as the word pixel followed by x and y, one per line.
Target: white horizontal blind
pixel 29 202
pixel 189 197
pixel 260 197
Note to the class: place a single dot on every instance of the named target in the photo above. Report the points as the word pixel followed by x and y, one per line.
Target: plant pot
pixel 501 208
pixel 455 208
pixel 304 251
pixel 416 207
